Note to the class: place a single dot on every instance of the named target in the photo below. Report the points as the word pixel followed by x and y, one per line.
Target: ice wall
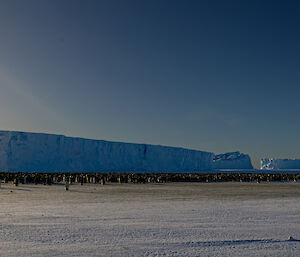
pixel 277 164
pixel 22 151
pixel 232 160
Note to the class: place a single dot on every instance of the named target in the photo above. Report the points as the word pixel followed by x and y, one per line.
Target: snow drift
pixel 29 152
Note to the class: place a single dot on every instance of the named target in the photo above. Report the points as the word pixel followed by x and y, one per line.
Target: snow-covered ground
pixel 184 219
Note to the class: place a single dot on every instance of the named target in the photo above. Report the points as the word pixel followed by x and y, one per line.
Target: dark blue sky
pixel 210 75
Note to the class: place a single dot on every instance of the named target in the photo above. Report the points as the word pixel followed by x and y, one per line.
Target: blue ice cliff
pixel 29 152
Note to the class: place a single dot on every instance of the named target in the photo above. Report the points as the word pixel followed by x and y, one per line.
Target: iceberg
pixel 39 152
pixel 29 152
pixel 278 164
pixel 232 160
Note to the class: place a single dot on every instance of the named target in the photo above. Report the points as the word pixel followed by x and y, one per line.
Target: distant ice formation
pixel 232 160
pixel 29 152
pixel 278 164
pixel 21 151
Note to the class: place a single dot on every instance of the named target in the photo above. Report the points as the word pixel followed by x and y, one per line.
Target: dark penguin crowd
pixel 102 178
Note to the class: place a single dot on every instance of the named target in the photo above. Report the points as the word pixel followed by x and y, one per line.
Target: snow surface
pixel 30 152
pixel 185 219
pixel 277 164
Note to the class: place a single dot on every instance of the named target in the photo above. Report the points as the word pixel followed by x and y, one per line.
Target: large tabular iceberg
pixel 21 151
pixel 29 152
pixel 278 164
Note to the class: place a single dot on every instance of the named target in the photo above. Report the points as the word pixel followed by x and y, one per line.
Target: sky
pixel 217 76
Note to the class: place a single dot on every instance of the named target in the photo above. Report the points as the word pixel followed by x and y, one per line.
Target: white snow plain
pixel 173 219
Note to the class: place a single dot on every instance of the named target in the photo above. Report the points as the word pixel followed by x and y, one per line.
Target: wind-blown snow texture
pixel 184 219
pixel 28 152
pixel 278 164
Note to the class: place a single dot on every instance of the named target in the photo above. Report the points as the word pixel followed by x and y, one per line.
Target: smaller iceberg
pixel 279 164
pixel 232 160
